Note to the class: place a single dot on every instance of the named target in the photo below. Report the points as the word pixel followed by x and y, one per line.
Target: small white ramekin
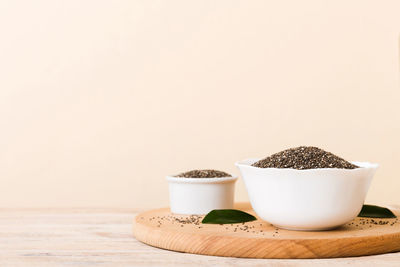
pixel 314 199
pixel 200 195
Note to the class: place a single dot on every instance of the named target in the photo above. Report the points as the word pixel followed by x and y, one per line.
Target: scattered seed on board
pixel 195 220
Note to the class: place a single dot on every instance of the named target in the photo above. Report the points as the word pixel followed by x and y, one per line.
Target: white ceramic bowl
pixel 314 199
pixel 200 195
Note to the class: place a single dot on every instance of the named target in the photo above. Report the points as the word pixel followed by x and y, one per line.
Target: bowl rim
pixel 213 180
pixel 361 164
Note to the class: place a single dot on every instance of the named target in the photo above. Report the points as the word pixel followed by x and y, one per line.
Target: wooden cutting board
pixel 259 239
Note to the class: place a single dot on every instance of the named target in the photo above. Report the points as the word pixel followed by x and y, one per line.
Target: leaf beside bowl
pixel 372 211
pixel 227 216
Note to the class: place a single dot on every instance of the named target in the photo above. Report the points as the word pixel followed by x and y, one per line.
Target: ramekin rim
pixel 171 178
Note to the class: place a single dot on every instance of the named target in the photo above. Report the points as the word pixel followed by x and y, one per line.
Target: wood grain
pixel 259 239
pixel 103 237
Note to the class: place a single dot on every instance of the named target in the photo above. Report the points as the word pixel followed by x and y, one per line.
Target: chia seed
pixel 192 219
pixel 204 174
pixel 303 158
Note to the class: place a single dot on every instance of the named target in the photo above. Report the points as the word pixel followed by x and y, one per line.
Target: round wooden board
pixel 259 239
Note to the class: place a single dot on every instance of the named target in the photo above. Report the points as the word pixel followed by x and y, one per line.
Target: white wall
pixel 99 100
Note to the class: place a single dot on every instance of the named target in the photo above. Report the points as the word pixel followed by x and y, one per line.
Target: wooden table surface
pixel 103 237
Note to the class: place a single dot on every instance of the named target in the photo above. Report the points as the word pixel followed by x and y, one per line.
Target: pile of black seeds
pixel 204 174
pixel 303 158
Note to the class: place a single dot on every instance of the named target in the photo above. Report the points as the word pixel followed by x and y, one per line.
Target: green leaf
pixel 227 216
pixel 372 211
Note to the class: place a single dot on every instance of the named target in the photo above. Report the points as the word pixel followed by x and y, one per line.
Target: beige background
pixel 99 100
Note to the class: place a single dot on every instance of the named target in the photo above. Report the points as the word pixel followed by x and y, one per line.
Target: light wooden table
pixel 103 237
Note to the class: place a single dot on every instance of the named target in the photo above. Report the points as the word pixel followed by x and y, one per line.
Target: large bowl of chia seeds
pixel 306 188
